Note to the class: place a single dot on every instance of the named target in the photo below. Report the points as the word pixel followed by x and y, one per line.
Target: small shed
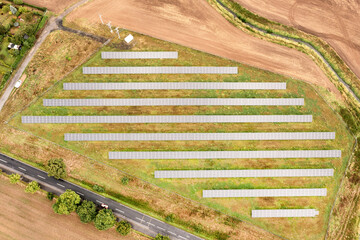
pixel 13 9
pixel 16 24
pixel 129 38
pixel 14 46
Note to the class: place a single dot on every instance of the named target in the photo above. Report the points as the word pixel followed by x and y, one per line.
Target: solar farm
pixel 252 144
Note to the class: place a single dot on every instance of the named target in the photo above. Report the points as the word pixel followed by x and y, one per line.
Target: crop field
pixel 324 120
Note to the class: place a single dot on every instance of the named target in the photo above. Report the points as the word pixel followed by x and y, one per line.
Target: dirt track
pixel 337 22
pixel 56 6
pixel 196 24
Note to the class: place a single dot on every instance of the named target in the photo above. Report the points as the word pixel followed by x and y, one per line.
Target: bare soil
pixel 56 6
pixel 30 216
pixel 336 21
pixel 196 24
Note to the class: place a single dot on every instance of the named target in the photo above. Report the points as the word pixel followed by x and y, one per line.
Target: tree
pixel 32 187
pixel 125 180
pixel 86 211
pixel 56 168
pixel 18 2
pixel 161 237
pixel 14 178
pixel 5 9
pixel 105 219
pixel 50 196
pixel 3 30
pixel 123 227
pixel 67 202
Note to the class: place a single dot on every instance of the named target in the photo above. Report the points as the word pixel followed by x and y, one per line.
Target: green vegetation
pixel 19 29
pixel 123 227
pixel 161 237
pixel 125 180
pixel 67 202
pixel 50 196
pixel 105 219
pixel 56 168
pixel 32 187
pixel 14 178
pixel 98 188
pixel 86 211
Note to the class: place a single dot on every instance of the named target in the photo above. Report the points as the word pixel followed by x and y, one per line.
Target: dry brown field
pixel 335 21
pixel 195 24
pixel 30 216
pixel 56 6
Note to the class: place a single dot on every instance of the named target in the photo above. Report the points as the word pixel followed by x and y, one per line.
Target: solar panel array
pixel 176 85
pixel 198 136
pixel 326 172
pixel 291 192
pixel 160 70
pixel 138 55
pixel 276 213
pixel 226 154
pixel 168 119
pixel 175 102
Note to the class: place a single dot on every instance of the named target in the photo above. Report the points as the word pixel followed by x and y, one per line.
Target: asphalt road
pixel 140 222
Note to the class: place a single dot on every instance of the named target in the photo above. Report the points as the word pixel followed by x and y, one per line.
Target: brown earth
pixel 336 21
pixel 30 216
pixel 56 6
pixel 196 24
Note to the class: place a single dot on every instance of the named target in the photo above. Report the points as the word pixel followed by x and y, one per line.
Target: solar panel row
pixel 226 154
pixel 176 85
pixel 198 136
pixel 326 172
pixel 168 119
pixel 138 55
pixel 232 193
pixel 176 102
pixel 160 70
pixel 276 213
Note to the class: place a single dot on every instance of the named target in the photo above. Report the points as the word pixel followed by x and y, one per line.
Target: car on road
pixel 18 84
pixel 104 205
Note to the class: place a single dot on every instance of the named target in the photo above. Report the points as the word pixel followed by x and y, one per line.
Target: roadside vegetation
pixel 20 23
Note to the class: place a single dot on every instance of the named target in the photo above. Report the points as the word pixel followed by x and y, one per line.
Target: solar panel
pixel 160 70
pixel 232 193
pixel 177 85
pixel 198 136
pixel 168 119
pixel 276 213
pixel 175 102
pixel 226 154
pixel 326 172
pixel 138 55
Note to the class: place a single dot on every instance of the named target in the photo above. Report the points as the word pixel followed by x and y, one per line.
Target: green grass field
pixel 324 120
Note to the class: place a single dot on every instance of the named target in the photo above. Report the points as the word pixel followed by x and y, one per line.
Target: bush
pixel 14 178
pixel 67 202
pixel 98 188
pixel 19 2
pixel 56 168
pixel 169 218
pixel 28 16
pixel 32 187
pixel 50 196
pixel 161 237
pixel 105 219
pixel 2 56
pixel 68 58
pixel 3 30
pixel 123 227
pixel 86 211
pixel 125 180
pixel 5 9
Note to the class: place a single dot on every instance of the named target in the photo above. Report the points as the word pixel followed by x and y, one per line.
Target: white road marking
pixel 22 168
pixel 139 219
pixel 151 224
pixel 119 210
pixel 102 196
pixel 172 233
pixel 60 185
pixel 80 193
pixel 181 237
pixel 3 160
pixel 160 228
pixel 40 176
pixel 98 201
